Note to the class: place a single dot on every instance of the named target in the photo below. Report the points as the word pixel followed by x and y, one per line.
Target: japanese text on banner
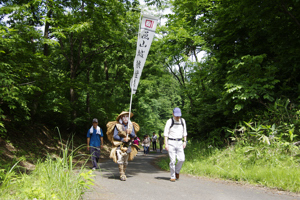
pixel 148 26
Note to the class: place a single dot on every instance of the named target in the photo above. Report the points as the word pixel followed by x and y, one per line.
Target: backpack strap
pixel 182 123
pixel 172 124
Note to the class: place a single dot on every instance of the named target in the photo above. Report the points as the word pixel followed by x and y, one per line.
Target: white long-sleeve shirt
pixel 177 131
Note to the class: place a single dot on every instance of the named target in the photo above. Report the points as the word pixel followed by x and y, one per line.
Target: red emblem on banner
pixel 149 23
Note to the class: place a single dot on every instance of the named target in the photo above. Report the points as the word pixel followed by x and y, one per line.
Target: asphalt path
pixel 146 181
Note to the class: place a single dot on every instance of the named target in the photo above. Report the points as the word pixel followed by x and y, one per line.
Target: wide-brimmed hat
pixel 124 113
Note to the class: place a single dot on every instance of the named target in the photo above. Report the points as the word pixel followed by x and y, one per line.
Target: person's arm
pixel 88 143
pixel 88 140
pixel 166 133
pixel 184 134
pixel 184 142
pixel 132 134
pixel 101 138
pixel 184 131
pixel 166 143
pixel 117 137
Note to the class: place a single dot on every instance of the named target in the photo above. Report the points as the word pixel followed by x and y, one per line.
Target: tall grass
pixel 275 166
pixel 53 178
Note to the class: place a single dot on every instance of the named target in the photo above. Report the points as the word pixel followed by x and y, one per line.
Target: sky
pixel 153 10
pixel 163 21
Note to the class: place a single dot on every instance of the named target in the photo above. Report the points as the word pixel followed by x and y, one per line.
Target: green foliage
pixel 154 103
pixel 69 73
pixel 274 165
pixel 280 123
pixel 79 67
pixel 248 81
pixel 53 178
pixel 246 66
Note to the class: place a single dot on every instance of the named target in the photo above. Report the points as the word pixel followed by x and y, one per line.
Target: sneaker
pixel 94 168
pixel 177 176
pixel 172 179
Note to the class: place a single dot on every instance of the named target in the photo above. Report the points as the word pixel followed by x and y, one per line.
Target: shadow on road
pixel 163 178
pixel 140 164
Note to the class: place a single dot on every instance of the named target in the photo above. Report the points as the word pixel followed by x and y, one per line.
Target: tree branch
pixel 180 70
pixel 63 49
pixel 96 52
pixel 290 14
pixel 28 83
pixel 170 68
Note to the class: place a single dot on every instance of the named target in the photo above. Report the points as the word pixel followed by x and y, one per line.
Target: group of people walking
pixel 146 143
pixel 122 133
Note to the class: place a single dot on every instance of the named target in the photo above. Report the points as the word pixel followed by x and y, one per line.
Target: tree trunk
pixel 46 30
pixel 106 70
pixel 72 77
pixel 88 93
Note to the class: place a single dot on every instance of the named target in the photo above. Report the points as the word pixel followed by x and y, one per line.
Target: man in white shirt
pixel 175 131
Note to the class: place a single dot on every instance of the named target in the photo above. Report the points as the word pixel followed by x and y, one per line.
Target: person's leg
pixel 120 161
pixel 154 146
pixel 180 157
pixel 145 150
pixel 172 155
pixel 93 157
pixel 97 155
pixel 125 164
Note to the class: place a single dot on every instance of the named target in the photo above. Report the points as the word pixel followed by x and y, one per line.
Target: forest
pixel 64 63
pixel 231 66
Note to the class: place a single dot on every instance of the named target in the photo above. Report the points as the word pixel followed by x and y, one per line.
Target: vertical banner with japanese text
pixel 145 37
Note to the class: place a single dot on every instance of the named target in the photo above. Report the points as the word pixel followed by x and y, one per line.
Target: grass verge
pixel 274 166
pixel 57 177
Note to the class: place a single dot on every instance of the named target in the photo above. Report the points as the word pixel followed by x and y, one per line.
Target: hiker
pixel 175 131
pixel 120 132
pixel 146 145
pixel 161 142
pixel 136 140
pixel 94 142
pixel 154 138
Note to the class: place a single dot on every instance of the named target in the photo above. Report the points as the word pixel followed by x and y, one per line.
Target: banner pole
pixel 130 103
pixel 133 63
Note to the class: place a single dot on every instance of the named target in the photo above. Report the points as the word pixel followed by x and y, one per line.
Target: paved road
pixel 147 182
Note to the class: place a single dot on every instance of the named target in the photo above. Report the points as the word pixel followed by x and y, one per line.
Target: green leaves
pixel 248 79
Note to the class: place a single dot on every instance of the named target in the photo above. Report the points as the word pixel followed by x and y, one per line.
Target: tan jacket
pixel 146 142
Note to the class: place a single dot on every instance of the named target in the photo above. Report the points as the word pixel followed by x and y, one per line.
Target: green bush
pixel 54 178
pixel 275 165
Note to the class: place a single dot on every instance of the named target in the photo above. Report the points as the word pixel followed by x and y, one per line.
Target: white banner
pixel 145 37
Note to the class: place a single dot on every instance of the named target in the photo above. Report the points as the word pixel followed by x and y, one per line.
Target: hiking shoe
pixel 172 179
pixel 177 176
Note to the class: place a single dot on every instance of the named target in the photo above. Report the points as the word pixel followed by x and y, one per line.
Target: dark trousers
pixel 154 145
pixel 160 147
pixel 146 150
pixel 95 155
